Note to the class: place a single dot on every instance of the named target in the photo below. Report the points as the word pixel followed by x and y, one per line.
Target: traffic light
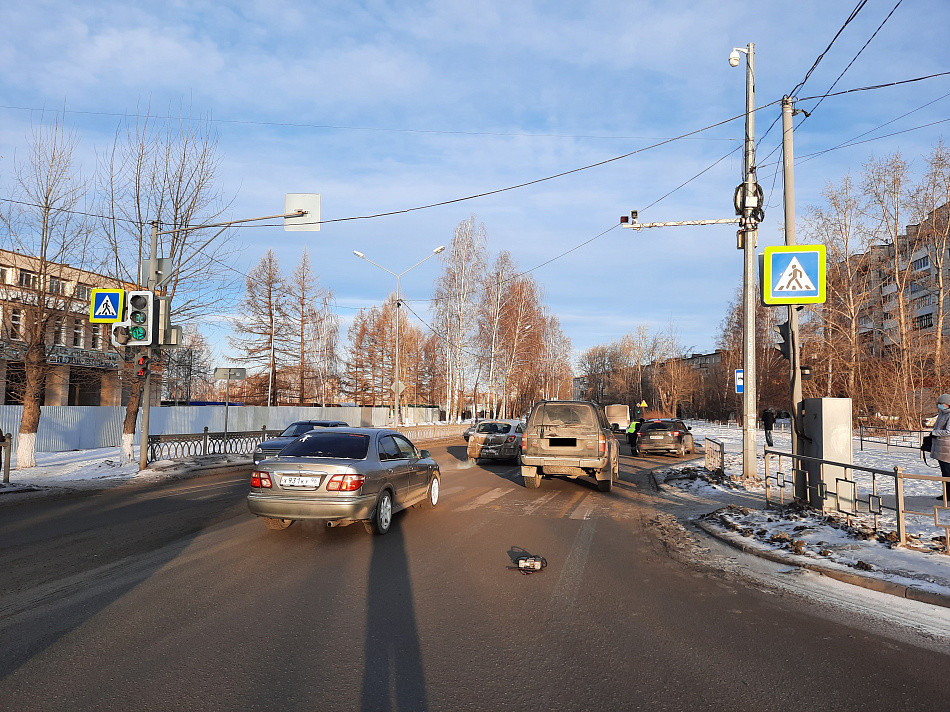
pixel 785 343
pixel 141 318
pixel 120 334
pixel 143 364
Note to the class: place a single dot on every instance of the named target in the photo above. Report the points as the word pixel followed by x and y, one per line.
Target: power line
pixel 382 129
pixel 854 14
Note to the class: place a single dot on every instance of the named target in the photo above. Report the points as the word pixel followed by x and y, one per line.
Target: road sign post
pixel 238 374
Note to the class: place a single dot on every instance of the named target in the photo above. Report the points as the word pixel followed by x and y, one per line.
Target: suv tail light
pixel 345 483
pixel 675 433
pixel 510 439
pixel 261 479
pixel 602 445
pixel 524 444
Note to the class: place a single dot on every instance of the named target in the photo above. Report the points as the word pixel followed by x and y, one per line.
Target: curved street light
pixel 396 387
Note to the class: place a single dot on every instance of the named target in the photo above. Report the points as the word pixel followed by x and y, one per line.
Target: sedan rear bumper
pixel 327 508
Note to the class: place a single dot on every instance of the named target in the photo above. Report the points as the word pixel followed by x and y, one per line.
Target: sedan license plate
pixel 294 481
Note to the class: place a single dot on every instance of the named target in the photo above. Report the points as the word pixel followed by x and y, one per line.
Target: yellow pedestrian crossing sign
pixel 793 274
pixel 105 305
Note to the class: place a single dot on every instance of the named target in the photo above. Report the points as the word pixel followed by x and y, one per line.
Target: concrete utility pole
pixel 149 281
pixel 751 211
pixel 794 361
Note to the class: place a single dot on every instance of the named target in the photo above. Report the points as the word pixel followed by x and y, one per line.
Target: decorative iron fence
pixel 165 447
pixel 863 494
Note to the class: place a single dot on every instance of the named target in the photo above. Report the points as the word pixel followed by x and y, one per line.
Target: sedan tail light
pixel 261 479
pixel 345 483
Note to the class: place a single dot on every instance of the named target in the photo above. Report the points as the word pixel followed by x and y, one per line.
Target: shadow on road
pixel 393 656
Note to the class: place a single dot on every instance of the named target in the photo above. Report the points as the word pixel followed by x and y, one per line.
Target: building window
pixel 16 324
pixel 3 274
pixel 59 331
pixel 78 333
pixel 97 336
pixel 83 292
pixel 922 263
pixel 924 321
pixel 915 287
pixel 56 286
pixel 28 279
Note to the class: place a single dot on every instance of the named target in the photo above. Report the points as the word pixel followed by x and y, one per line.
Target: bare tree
pixel 262 334
pixel 46 224
pixel 187 371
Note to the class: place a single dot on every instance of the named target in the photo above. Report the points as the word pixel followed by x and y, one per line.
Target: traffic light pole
pixel 794 361
pixel 149 282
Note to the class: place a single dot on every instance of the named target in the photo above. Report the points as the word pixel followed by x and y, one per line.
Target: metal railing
pixel 873 499
pixel 891 437
pixel 715 456
pixel 164 447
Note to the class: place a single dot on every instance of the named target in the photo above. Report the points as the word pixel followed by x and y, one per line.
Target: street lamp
pixel 748 206
pixel 397 386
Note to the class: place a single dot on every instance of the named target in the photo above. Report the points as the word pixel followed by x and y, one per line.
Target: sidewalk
pixel 824 543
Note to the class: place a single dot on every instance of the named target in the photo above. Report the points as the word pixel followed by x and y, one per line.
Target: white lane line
pixel 484 499
pixel 568 584
pixel 585 508
pixel 198 488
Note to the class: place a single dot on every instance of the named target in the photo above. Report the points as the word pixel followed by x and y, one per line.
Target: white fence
pixel 86 427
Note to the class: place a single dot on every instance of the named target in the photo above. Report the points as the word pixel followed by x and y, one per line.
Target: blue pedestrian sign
pixel 793 274
pixel 739 380
pixel 105 305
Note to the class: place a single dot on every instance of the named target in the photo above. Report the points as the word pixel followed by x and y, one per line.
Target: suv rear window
pixel 344 446
pixel 564 414
pixel 667 425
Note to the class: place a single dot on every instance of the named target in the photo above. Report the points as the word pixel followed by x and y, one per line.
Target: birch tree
pixel 45 223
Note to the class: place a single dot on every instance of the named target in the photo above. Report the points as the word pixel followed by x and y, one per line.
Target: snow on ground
pixel 832 540
pixel 103 468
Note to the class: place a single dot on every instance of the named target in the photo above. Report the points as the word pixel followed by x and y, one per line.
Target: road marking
pixel 570 505
pixel 585 508
pixel 538 503
pixel 197 488
pixel 484 499
pixel 569 582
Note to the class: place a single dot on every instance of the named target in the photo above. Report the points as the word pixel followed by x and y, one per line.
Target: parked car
pixel 271 448
pixel 496 439
pixel 664 435
pixel 571 438
pixel 342 476
pixel 467 433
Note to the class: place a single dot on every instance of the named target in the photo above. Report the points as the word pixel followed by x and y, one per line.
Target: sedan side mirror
pixel 424 454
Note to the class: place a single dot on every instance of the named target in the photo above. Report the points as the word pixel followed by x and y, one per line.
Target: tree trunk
pixel 128 426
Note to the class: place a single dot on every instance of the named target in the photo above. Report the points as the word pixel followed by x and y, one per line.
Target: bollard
pixel 7 456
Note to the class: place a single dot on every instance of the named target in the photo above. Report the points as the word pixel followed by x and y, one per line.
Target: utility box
pixel 826 424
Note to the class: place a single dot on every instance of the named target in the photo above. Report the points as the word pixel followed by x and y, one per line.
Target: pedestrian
pixel 940 450
pixel 768 420
pixel 632 434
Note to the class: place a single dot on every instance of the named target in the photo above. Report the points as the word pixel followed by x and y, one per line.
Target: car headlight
pixel 258 452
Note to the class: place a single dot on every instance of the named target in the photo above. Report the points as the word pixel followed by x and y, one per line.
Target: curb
pixel 874 584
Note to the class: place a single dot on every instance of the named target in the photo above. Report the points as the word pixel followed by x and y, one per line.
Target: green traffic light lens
pixel 137 333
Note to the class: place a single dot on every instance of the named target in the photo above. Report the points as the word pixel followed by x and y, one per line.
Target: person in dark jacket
pixel 768 420
pixel 940 450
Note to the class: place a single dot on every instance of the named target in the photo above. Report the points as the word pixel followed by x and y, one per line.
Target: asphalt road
pixel 173 597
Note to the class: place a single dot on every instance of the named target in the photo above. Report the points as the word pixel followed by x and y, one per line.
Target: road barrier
pixel 891 437
pixel 715 456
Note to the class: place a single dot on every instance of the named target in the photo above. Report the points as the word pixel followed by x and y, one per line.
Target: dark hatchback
pixel 272 448
pixel 671 436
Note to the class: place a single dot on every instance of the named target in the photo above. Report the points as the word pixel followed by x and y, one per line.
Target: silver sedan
pixel 342 476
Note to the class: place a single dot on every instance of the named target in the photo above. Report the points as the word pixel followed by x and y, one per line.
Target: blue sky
pixel 381 106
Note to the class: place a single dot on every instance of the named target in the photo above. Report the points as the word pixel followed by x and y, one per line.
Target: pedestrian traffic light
pixel 785 343
pixel 120 334
pixel 143 364
pixel 141 318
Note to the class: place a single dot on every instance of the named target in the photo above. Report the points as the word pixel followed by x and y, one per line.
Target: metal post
pixel 750 236
pixel 899 491
pixel 396 383
pixel 7 456
pixel 149 281
pixel 227 399
pixel 794 347
pixel 204 442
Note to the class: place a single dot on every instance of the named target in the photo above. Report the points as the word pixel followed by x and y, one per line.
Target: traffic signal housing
pixel 120 333
pixel 785 343
pixel 140 315
pixel 143 363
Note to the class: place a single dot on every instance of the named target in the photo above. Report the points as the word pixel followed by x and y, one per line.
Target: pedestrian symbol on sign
pixel 794 279
pixel 106 310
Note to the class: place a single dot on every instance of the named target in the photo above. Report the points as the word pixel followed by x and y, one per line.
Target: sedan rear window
pixel 344 446
pixel 494 428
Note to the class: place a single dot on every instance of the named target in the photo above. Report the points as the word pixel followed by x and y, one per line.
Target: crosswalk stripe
pixel 484 499
pixel 537 504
